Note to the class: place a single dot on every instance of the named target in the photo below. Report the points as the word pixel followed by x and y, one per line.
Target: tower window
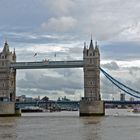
pixel 12 83
pixel 3 57
pixel 3 84
pixel 90 60
pixel 2 63
pixel 11 96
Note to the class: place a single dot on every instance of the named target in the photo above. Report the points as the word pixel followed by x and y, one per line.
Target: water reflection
pixel 92 128
pixel 8 128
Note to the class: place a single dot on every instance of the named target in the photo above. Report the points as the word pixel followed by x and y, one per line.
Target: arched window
pixel 90 60
pixel 11 96
pixel 3 57
pixel 2 63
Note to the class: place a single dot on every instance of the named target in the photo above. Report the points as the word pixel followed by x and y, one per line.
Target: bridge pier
pixel 91 104
pixel 91 108
pixel 7 109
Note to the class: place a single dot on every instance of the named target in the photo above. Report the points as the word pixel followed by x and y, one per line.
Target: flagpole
pixel 55 56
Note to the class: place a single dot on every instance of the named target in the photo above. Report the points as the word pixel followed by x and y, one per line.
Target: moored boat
pixel 31 109
pixel 136 110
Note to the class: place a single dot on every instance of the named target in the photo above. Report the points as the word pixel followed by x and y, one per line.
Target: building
pixel 122 97
pixel 131 99
pixel 7 75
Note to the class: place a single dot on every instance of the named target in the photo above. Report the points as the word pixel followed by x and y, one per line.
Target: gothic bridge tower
pixel 91 103
pixel 91 59
pixel 7 81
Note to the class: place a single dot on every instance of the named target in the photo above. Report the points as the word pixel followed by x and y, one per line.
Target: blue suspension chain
pixel 117 84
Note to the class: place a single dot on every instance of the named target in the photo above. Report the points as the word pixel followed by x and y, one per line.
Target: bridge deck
pixel 47 64
pixel 77 102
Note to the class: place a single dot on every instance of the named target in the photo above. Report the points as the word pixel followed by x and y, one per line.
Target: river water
pixel 118 124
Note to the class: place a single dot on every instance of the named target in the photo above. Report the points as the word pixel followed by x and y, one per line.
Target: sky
pixel 61 27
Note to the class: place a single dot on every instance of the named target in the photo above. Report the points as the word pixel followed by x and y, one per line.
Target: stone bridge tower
pixel 91 59
pixel 91 103
pixel 7 81
pixel 7 75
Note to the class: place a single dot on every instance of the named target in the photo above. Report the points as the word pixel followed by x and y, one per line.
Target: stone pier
pixel 91 108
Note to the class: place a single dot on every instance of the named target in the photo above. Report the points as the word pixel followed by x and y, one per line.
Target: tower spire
pixel 6 47
pixel 91 44
pixel 14 55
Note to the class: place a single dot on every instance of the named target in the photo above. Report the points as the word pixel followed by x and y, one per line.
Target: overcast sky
pixel 62 26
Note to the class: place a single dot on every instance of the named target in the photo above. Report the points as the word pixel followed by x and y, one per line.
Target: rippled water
pixel 116 125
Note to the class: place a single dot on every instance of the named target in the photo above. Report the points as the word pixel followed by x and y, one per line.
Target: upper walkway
pixel 47 64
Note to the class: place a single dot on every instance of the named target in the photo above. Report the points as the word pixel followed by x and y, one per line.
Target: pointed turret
pixel 6 47
pixel 96 47
pixel 91 47
pixel 14 55
pixel 84 47
pixel 85 50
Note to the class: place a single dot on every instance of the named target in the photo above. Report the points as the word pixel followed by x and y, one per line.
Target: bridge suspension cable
pixel 121 86
pixel 119 82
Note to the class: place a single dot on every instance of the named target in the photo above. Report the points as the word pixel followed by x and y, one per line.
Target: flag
pixel 55 55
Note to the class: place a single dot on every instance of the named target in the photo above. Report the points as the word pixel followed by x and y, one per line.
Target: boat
pixel 136 110
pixel 31 109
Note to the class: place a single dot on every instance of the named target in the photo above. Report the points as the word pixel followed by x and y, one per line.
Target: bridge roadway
pixel 76 102
pixel 47 64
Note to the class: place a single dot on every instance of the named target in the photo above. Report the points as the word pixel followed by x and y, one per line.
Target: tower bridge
pixel 90 105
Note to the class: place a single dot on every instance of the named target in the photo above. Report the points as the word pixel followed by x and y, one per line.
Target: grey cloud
pixel 131 79
pixel 107 87
pixel 62 24
pixel 124 51
pixel 36 92
pixel 62 7
pixel 106 19
pixel 69 91
pixel 40 81
pixel 134 71
pixel 111 66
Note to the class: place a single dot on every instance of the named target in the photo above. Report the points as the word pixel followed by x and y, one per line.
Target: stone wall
pixel 7 108
pixel 91 108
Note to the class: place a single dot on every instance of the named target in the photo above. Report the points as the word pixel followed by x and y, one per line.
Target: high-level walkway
pixel 47 64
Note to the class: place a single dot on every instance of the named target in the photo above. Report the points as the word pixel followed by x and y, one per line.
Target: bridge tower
pixel 7 81
pixel 91 104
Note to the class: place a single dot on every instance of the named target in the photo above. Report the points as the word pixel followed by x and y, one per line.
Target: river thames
pixel 118 124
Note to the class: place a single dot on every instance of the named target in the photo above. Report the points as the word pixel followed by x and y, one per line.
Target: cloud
pixel 58 7
pixel 111 66
pixel 121 51
pixel 106 19
pixel 129 76
pixel 134 71
pixel 61 24
pixel 67 81
pixel 52 83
